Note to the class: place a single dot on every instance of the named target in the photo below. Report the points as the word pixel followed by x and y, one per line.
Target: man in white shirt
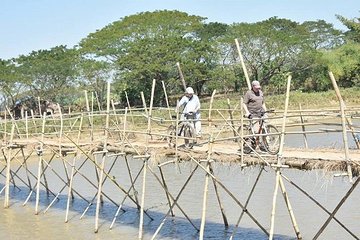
pixel 191 104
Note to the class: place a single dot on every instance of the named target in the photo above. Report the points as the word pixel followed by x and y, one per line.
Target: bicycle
pixel 186 129
pixel 266 137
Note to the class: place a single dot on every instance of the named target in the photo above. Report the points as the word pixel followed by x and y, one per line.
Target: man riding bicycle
pixel 191 104
pixel 254 105
pixel 254 102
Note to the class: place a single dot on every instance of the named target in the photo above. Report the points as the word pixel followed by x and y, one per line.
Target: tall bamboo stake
pixel 181 75
pixel 231 117
pixel 303 127
pixel 206 185
pixel 99 194
pixel 26 125
pixel 40 153
pixel 150 110
pixel 343 123
pixel 141 223
pixel 279 158
pixel 8 169
pixel 337 208
pixel 243 64
pixel 166 99
pixel 128 103
pixel 5 126
pixel 166 190
pixel 289 207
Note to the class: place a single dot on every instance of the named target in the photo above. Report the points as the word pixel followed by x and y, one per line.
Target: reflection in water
pixel 19 222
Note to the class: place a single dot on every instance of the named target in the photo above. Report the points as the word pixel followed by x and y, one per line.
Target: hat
pixel 189 90
pixel 255 84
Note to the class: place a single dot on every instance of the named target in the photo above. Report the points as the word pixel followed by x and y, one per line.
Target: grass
pixel 314 100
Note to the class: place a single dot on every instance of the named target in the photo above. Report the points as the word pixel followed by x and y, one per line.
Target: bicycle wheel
pixel 249 143
pixel 271 142
pixel 189 134
pixel 171 131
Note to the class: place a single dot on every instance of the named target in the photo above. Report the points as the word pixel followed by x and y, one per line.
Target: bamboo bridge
pixel 101 138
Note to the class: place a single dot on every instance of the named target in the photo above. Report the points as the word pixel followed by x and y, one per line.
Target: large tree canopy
pixel 49 74
pixel 147 46
pixel 136 49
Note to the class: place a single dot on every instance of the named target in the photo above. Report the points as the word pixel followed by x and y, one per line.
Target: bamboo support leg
pixel 288 205
pixel 141 223
pixel 246 203
pixel 174 202
pixel 92 200
pixel 272 219
pixel 319 205
pixel 205 194
pixel 166 190
pixel 337 208
pixel 99 193
pixel 38 186
pixel 70 181
pixel 219 200
pixel 132 181
pixel 127 193
pixel 232 196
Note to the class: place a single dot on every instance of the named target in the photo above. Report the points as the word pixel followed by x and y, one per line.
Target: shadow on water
pixel 174 228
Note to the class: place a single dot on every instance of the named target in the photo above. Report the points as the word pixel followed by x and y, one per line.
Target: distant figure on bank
pixel 191 105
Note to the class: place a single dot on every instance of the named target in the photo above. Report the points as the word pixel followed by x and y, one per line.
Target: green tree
pixel 50 74
pixel 10 82
pixel 354 28
pixel 147 46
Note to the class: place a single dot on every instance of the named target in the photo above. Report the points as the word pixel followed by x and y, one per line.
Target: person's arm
pixel 180 103
pixel 247 113
pixel 197 108
pixel 246 100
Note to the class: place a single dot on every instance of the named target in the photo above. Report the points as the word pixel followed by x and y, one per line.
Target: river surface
pixel 20 222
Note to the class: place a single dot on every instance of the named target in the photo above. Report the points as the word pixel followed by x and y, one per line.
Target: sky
pixel 32 25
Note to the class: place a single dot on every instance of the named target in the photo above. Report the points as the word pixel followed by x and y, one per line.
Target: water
pixel 19 222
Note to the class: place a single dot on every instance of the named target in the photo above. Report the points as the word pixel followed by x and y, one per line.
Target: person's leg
pixel 198 128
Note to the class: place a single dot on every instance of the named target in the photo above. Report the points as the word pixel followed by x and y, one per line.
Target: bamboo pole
pixel 241 140
pixel 246 203
pixel 318 204
pixel 144 103
pixel 174 202
pixel 290 210
pixel 166 99
pixel 231 117
pixel 141 224
pixel 132 187
pixel 39 104
pixel 40 153
pixel 279 158
pixel 166 190
pixel 206 185
pixel 8 169
pixel 222 210
pixel 26 125
pixel 231 195
pixel 181 75
pixel 348 193
pixel 5 126
pixel 128 103
pixel 343 122
pixel 104 155
pixel 243 64
pixel 150 111
pixel 303 127
pixel 72 174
